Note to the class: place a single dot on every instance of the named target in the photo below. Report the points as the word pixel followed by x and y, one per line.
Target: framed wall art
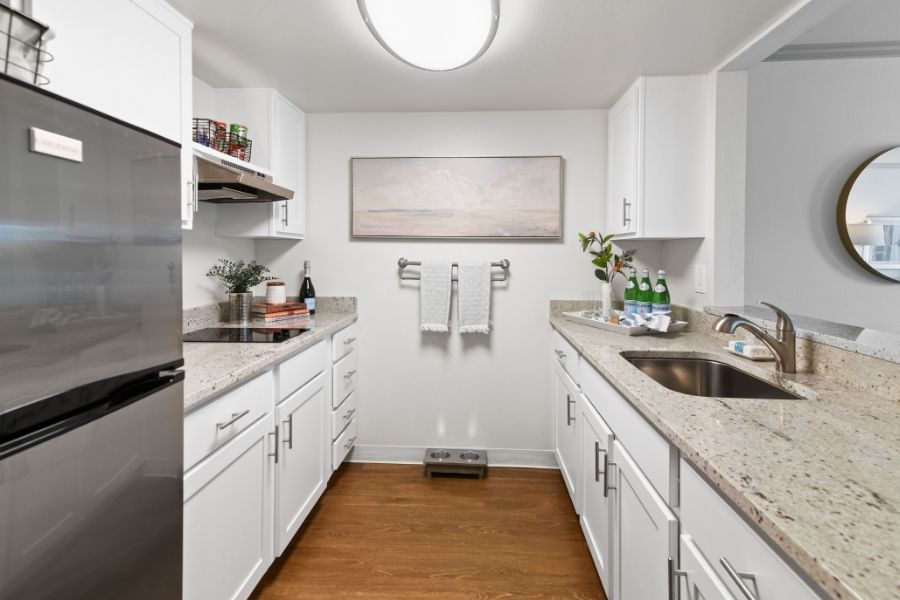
pixel 457 197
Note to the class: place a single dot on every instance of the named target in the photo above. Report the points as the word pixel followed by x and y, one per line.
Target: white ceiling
pixel 548 54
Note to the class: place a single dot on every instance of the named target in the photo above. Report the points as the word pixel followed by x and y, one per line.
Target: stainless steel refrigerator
pixel 91 398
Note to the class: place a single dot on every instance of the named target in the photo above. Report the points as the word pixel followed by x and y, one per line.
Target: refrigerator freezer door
pixel 95 513
pixel 90 249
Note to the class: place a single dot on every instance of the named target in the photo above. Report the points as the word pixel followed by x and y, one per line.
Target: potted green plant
pixel 239 278
pixel 607 264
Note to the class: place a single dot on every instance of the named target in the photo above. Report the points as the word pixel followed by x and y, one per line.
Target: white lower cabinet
pixel 623 471
pixel 228 500
pixel 697 579
pixel 645 533
pixel 741 559
pixel 596 523
pixel 344 395
pixel 300 470
pixel 566 406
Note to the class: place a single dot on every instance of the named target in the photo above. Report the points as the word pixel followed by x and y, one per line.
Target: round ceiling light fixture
pixel 435 35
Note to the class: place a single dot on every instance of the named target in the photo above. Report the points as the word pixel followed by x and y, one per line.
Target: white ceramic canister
pixel 275 293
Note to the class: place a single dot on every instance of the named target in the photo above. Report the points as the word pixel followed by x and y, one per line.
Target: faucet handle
pixel 784 323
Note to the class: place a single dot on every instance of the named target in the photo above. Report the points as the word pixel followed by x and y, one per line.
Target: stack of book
pixel 271 313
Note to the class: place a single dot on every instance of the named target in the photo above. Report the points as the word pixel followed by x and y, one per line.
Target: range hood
pixel 225 180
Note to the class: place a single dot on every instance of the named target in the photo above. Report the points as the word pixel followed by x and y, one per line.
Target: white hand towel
pixel 434 296
pixel 474 297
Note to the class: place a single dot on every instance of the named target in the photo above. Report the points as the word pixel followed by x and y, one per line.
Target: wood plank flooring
pixel 387 532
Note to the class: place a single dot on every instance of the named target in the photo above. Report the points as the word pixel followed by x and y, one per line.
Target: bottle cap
pixel 306 264
pixel 662 273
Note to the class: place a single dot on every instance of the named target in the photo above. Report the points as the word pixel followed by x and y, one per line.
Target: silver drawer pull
pixel 275 454
pixel 738 578
pixel 234 418
pixel 290 423
pixel 560 354
pixel 349 341
pixel 349 414
pixel 350 443
pixel 569 403
pixel 606 465
pixel 349 374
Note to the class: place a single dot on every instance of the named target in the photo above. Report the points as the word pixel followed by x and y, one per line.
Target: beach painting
pixel 457 197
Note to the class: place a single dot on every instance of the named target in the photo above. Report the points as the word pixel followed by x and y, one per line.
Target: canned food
pixel 220 130
pixel 238 130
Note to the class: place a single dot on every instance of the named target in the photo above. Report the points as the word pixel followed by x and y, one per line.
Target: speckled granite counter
pixel 212 368
pixel 819 475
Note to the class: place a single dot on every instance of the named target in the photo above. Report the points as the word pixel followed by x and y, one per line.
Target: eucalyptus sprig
pixel 608 263
pixel 238 277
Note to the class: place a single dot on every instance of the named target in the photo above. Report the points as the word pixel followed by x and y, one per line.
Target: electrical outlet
pixel 700 279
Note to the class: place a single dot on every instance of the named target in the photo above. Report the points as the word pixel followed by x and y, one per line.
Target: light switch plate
pixel 700 279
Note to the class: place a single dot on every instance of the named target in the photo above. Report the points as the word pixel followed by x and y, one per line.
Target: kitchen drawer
pixel 342 415
pixel 342 446
pixel 209 427
pixel 299 369
pixel 343 342
pixel 649 449
pixel 698 578
pixel 345 376
pixel 721 533
pixel 564 353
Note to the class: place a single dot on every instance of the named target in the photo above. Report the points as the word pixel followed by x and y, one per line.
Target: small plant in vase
pixel 608 264
pixel 239 278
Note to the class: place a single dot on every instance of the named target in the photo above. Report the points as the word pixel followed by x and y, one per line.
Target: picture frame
pixel 457 197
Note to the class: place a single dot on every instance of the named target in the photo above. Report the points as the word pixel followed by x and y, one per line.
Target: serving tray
pixel 583 317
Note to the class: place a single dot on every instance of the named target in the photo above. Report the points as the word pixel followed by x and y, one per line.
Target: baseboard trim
pixel 413 455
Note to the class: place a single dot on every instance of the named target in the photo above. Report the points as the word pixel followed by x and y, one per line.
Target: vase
pixel 239 307
pixel 606 302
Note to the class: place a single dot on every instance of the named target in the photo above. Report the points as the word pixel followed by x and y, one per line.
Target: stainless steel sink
pixel 704 377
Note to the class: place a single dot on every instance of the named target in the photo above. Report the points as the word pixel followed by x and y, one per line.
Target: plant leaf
pixel 600 274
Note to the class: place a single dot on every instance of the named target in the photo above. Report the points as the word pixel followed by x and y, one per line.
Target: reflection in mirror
pixel 869 215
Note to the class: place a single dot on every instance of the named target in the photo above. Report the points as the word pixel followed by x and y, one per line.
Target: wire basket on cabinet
pixel 214 134
pixel 22 53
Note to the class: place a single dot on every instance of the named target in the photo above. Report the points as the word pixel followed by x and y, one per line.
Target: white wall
pixel 201 247
pixel 435 389
pixel 811 124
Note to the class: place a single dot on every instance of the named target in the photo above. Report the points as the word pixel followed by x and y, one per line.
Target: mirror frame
pixel 843 230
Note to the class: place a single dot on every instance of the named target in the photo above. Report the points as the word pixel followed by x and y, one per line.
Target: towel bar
pixel 501 264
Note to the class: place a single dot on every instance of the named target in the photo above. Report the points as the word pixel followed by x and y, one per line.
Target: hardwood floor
pixel 387 532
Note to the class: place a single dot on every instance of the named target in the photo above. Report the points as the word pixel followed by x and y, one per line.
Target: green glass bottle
pixel 645 294
pixel 631 293
pixel 661 303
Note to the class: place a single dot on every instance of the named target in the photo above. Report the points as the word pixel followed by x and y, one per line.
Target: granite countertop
pixel 211 368
pixel 818 475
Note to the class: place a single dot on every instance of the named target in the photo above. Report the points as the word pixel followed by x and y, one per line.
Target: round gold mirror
pixel 868 215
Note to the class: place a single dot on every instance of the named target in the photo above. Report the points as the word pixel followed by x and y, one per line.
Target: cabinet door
pixel 566 403
pixel 645 533
pixel 301 474
pixel 289 167
pixel 622 173
pixel 697 577
pixel 596 515
pixel 228 501
pixel 130 60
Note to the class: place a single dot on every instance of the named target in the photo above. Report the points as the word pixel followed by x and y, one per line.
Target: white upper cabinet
pixel 657 159
pixel 277 129
pixel 130 59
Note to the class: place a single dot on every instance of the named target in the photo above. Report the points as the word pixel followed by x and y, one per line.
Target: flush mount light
pixel 435 35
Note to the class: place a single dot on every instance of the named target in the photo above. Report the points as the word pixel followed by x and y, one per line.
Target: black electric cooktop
pixel 244 335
